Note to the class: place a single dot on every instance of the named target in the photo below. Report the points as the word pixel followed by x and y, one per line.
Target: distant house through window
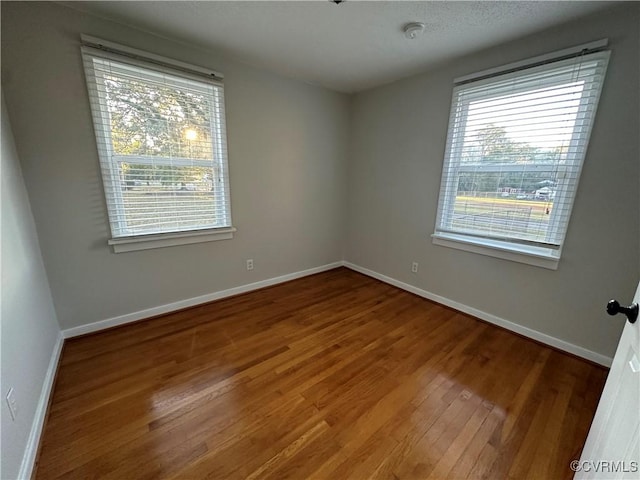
pixel 161 139
pixel 515 148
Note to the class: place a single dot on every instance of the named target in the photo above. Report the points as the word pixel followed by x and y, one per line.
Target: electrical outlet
pixel 12 403
pixel 250 264
pixel 414 267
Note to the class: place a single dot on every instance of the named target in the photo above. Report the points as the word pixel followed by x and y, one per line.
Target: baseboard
pixel 31 451
pixel 33 442
pixel 191 302
pixel 487 317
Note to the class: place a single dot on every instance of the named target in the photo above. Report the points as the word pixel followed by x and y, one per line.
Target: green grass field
pixel 147 211
pixel 526 219
pixel 471 205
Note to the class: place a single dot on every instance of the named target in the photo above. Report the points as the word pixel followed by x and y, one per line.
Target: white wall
pixel 287 161
pixel 289 154
pixel 309 169
pixel 397 148
pixel 28 326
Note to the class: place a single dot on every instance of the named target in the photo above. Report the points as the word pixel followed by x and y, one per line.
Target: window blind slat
pixel 162 145
pixel 515 149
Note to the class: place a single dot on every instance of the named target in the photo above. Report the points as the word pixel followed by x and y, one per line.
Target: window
pixel 514 152
pixel 162 146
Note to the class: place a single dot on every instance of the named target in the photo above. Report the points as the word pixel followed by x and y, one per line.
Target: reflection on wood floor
pixel 331 376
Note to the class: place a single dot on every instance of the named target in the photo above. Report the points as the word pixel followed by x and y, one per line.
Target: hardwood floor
pixel 328 377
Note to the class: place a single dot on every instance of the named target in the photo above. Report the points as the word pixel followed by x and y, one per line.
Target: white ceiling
pixel 347 47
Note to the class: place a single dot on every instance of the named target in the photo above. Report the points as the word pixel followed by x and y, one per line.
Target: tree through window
pixel 162 144
pixel 515 148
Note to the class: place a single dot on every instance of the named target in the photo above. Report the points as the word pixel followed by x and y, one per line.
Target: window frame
pixel 533 253
pixel 145 66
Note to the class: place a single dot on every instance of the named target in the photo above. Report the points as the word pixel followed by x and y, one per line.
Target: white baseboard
pixel 487 317
pixel 31 450
pixel 29 458
pixel 191 302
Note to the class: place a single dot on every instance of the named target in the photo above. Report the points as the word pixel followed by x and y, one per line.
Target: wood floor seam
pixel 336 375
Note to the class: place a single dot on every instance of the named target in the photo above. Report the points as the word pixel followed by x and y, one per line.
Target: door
pixel 612 449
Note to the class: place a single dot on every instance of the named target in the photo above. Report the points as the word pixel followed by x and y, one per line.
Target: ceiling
pixel 348 47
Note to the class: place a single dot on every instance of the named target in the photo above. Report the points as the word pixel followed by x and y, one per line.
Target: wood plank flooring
pixel 332 376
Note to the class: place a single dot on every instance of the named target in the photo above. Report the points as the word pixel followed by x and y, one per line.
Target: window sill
pixel 146 242
pixel 537 256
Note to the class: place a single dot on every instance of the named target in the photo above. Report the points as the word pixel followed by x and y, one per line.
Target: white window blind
pixel 162 145
pixel 515 148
